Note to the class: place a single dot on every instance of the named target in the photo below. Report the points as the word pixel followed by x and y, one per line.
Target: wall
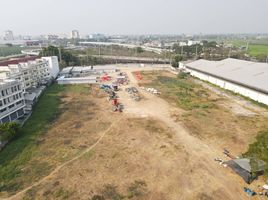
pixel 247 92
pixel 53 65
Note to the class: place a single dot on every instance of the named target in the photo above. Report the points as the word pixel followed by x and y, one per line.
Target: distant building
pixel 96 36
pixel 182 44
pixel 8 35
pixel 193 42
pixel 75 34
pixel 52 37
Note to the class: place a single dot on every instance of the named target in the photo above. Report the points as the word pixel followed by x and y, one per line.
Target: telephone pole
pixel 229 55
pixel 60 53
pixel 247 47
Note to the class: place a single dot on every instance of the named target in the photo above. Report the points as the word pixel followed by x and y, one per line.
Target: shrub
pixel 9 131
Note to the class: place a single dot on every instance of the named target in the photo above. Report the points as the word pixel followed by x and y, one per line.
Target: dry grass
pixel 204 115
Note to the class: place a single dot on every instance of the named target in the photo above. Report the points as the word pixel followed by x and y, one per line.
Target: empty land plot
pixel 96 154
pixel 204 116
pixel 139 159
pixel 66 121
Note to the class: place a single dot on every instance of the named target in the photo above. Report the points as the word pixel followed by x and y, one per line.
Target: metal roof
pixel 253 75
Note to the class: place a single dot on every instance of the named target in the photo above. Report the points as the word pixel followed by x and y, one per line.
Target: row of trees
pixel 67 58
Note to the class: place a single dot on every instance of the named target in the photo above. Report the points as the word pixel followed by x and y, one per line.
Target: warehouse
pixel 247 78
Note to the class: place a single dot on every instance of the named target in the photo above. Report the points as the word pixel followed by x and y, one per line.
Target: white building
pixel 249 79
pixel 11 100
pixel 8 35
pixel 23 82
pixel 193 42
pixel 33 73
pixel 75 34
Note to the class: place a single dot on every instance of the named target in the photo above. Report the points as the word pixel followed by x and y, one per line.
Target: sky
pixel 34 17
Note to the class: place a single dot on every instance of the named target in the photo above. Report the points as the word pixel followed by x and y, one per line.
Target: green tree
pixel 139 50
pixel 67 57
pixel 9 131
pixel 175 61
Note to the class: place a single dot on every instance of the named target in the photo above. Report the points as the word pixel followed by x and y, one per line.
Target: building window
pixel 11 106
pixel 5 102
pixel 5 119
pixel 13 116
pixel 3 110
pixel 20 112
pixel 1 103
pixel 3 94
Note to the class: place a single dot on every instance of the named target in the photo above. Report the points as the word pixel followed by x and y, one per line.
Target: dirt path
pixel 200 153
pixel 55 171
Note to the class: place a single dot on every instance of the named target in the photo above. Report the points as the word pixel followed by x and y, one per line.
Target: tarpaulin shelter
pixel 248 168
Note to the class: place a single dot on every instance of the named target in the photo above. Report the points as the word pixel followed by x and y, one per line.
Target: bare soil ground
pixel 154 150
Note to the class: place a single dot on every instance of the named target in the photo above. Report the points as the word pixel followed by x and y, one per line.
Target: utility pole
pixel 229 55
pixel 181 50
pixel 267 59
pixel 196 51
pixel 60 53
pixel 99 50
pixel 247 47
pixel 165 55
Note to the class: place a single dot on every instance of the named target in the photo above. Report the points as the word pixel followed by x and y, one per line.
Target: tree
pixel 67 57
pixel 139 50
pixel 9 131
pixel 175 61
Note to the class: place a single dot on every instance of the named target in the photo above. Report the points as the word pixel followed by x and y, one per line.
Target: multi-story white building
pixel 75 34
pixel 19 82
pixel 33 73
pixel 11 100
pixel 8 35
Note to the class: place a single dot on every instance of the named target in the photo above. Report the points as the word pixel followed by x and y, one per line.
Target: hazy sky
pixel 32 17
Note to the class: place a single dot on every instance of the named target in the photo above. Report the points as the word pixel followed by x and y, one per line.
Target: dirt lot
pixel 154 150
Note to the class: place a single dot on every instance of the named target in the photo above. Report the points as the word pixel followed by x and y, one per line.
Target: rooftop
pixel 250 74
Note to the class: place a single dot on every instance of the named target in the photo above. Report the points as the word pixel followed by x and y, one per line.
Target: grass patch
pixel 79 89
pixel 62 194
pixel 137 189
pixel 15 156
pixel 181 90
pixel 257 50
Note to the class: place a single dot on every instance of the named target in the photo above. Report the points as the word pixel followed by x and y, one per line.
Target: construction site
pixel 143 132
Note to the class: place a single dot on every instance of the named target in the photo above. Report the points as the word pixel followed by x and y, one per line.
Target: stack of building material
pixel 134 93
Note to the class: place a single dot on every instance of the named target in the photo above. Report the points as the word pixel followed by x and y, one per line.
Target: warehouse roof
pixel 249 74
